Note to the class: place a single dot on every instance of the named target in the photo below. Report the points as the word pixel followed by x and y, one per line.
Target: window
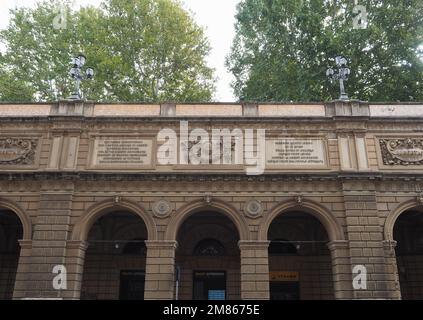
pixel 209 247
pixel 209 285
pixel 132 285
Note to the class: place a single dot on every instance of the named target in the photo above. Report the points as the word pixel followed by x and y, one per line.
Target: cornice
pixel 207 177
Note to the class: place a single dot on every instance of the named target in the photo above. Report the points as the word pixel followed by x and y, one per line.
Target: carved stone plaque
pixel 14 151
pixel 122 152
pixel 213 146
pixel 295 152
pixel 405 152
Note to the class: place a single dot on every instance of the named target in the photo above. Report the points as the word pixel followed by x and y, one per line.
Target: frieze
pixel 95 177
pixel 17 151
pixel 402 152
pixel 397 126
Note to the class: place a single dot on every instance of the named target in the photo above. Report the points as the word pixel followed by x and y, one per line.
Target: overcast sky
pixel 216 16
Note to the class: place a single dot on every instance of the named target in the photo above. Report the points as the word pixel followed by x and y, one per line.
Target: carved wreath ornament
pixel 211 146
pixel 253 208
pixel 17 151
pixel 162 208
pixel 403 152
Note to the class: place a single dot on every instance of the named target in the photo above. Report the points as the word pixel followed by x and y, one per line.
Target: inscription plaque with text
pixel 293 152
pixel 123 153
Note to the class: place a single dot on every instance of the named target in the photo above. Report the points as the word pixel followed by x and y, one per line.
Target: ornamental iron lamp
pixel 341 75
pixel 77 74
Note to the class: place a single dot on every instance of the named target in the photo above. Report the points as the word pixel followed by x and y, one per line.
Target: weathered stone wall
pixel 58 195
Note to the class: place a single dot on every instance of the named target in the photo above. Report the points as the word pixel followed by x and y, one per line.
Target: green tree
pixel 141 50
pixel 13 90
pixel 282 49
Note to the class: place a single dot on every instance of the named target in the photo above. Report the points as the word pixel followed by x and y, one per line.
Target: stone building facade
pixel 84 186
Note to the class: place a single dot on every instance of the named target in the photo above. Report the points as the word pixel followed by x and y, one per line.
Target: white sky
pixel 216 16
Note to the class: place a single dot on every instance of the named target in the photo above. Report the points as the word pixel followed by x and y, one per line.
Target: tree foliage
pixel 282 49
pixel 140 50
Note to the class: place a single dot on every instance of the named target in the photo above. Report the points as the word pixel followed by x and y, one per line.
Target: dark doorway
pixel 208 241
pixel 11 231
pixel 284 290
pixel 299 258
pixel 132 285
pixel 209 285
pixel 116 245
pixel 408 232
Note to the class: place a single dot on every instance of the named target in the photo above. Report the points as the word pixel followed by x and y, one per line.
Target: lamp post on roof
pixel 77 74
pixel 341 75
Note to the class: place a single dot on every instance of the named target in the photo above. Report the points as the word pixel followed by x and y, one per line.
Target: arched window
pixel 209 247
pixel 282 247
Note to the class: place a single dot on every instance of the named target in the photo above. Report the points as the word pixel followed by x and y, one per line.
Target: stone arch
pixel 23 217
pixel 84 224
pixel 215 205
pixel 393 216
pixel 330 223
pixel 199 232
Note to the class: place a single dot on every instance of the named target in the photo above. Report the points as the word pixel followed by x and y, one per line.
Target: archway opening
pixel 208 258
pixel 11 231
pixel 299 259
pixel 115 260
pixel 408 232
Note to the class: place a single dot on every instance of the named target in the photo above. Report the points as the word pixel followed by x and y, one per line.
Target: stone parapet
pixel 337 108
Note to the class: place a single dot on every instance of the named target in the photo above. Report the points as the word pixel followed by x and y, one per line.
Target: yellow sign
pixel 284 276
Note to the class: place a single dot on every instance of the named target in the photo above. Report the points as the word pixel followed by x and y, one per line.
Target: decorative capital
pixel 253 244
pixel 77 244
pixel 25 244
pixel 337 244
pixel 389 245
pixel 158 244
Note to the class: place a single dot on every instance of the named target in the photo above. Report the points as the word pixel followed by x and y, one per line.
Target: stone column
pixel 24 266
pixel 48 249
pixel 75 257
pixel 365 236
pixel 341 269
pixel 160 270
pixel 393 282
pixel 254 270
